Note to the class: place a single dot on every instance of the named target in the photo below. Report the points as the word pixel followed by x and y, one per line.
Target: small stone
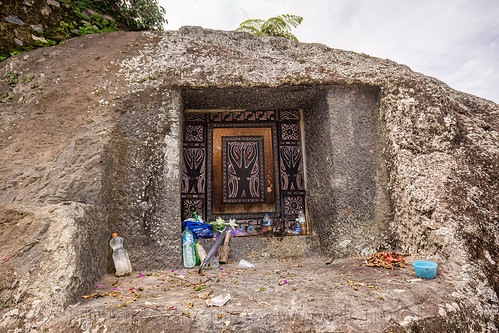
pixel 88 13
pixel 14 20
pixel 108 18
pixel 53 3
pixel 45 11
pixel 28 2
pixel 37 27
pixel 345 243
pixel 41 39
pixel 18 42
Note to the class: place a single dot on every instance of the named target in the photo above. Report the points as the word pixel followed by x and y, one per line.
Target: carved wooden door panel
pixel 243 164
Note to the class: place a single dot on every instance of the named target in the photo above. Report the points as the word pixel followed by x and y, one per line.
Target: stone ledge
pixel 282 247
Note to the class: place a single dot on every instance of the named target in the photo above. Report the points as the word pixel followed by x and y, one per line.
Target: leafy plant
pixel 275 26
pixel 142 14
pixel 48 42
pixel 13 79
pixel 28 79
pixel 220 224
pixel 86 29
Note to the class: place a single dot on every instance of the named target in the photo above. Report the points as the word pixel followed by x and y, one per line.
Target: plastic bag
pixel 198 229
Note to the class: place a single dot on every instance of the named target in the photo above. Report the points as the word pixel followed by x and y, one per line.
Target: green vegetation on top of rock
pixel 32 24
pixel 275 26
pixel 141 14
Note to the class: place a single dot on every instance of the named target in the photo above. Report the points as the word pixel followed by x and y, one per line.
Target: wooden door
pixel 243 164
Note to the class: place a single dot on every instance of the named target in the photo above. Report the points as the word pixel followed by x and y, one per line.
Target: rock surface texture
pixel 92 132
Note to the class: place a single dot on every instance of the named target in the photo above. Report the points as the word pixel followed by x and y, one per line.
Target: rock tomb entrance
pixel 251 151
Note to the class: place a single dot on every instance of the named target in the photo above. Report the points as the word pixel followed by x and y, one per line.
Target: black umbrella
pixel 212 251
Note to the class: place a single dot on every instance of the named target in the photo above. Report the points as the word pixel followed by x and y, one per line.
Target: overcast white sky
pixel 456 41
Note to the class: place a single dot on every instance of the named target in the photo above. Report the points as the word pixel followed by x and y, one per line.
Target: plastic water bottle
pixel 266 220
pixel 120 256
pixel 214 262
pixel 297 228
pixel 267 223
pixel 188 249
pixel 302 222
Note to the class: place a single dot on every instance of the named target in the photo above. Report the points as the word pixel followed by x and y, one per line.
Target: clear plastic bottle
pixel 302 222
pixel 297 228
pixel 267 222
pixel 188 249
pixel 214 262
pixel 120 256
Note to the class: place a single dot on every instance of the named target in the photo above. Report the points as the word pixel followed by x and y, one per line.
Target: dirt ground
pixel 299 295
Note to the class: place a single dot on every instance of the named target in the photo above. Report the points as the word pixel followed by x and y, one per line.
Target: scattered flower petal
pixel 98 286
pixel 5 258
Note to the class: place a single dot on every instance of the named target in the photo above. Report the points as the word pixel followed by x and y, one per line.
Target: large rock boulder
pixel 92 132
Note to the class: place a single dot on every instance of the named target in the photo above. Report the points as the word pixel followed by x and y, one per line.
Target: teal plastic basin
pixel 425 269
